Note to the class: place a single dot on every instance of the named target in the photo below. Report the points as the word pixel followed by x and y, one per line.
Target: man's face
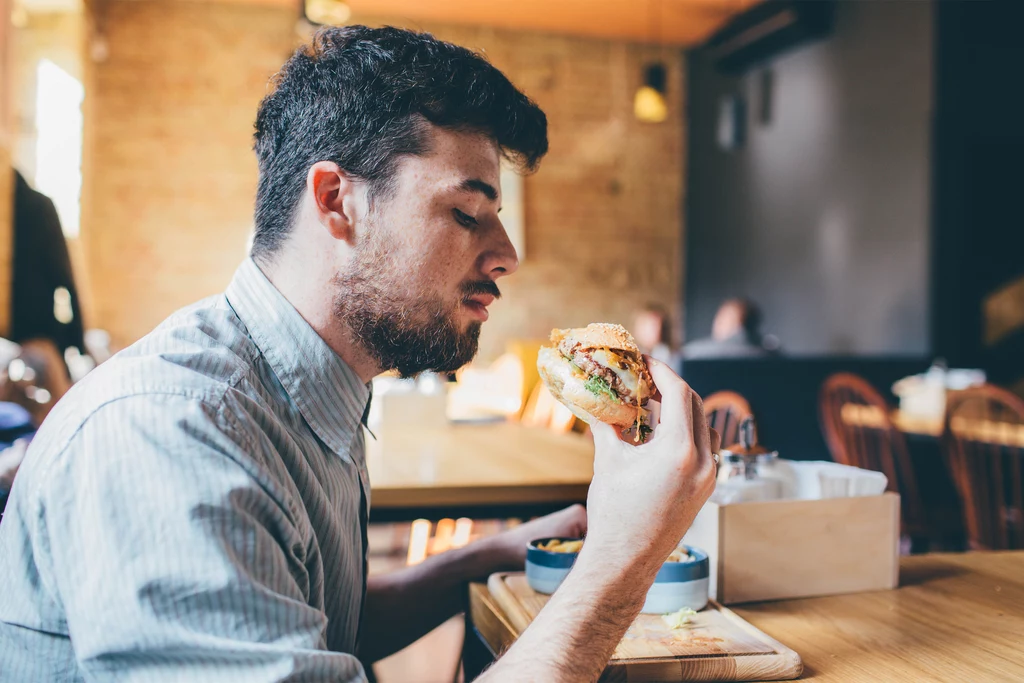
pixel 423 275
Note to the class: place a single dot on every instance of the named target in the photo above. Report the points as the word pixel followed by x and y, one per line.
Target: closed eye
pixel 464 219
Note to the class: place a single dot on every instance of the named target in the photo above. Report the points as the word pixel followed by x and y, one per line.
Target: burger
pixel 598 372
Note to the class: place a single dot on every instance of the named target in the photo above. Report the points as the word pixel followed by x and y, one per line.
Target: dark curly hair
pixel 359 97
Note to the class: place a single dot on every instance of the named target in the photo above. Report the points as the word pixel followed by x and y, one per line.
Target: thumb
pixel 603 432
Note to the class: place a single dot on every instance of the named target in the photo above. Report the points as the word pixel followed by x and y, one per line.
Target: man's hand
pixel 508 549
pixel 642 500
pixel 644 497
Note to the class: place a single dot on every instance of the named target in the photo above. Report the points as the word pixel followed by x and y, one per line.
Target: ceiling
pixel 678 22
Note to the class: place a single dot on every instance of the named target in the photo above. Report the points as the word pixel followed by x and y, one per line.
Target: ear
pixel 336 199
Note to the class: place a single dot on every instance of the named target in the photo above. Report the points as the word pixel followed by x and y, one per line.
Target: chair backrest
pixel 543 410
pixel 725 411
pixel 984 441
pixel 525 351
pixel 871 444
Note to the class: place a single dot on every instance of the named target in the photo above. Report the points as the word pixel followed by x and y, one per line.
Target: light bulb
pixel 327 12
pixel 649 105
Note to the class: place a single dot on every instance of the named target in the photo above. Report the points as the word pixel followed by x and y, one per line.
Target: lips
pixel 477 305
pixel 484 300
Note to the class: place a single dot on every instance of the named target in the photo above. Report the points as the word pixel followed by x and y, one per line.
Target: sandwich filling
pixel 608 372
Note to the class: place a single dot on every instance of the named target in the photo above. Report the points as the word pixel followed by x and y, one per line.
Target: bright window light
pixel 59 141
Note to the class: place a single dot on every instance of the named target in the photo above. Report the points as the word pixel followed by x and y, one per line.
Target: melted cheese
pixel 611 361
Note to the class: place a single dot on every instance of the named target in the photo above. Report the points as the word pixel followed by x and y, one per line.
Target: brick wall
pixel 169 171
pixel 172 177
pixel 57 37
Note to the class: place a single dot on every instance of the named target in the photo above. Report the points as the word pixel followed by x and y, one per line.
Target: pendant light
pixel 649 103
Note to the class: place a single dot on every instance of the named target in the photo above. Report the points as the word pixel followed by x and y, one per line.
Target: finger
pixel 716 441
pixel 611 432
pixel 656 396
pixel 676 400
pixel 605 437
pixel 701 432
pixel 602 431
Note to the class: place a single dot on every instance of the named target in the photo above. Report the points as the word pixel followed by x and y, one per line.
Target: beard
pixel 406 334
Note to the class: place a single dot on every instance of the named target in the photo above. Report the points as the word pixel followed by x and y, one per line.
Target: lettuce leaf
pixel 599 387
pixel 678 619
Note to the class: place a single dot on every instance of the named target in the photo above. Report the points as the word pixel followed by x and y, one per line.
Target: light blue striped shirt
pixel 194 509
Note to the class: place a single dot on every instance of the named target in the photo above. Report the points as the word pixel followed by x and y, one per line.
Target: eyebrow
pixel 477 185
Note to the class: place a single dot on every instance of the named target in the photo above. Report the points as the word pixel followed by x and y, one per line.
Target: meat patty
pixel 583 360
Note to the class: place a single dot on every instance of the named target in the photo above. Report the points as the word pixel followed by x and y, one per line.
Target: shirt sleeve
pixel 173 555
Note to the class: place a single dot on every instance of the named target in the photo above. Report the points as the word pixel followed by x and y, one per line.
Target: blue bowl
pixel 545 569
pixel 677 585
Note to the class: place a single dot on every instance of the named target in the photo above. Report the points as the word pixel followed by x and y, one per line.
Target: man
pixel 196 508
pixel 735 333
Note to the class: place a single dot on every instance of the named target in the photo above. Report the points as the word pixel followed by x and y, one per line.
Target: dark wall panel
pixel 822 215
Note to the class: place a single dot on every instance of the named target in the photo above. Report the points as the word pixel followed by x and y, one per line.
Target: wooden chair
pixel 543 410
pixel 983 439
pixel 725 411
pixel 874 444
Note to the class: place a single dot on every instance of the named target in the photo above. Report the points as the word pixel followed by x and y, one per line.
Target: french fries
pixel 557 546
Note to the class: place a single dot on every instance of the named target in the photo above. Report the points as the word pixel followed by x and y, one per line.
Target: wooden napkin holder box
pixel 781 549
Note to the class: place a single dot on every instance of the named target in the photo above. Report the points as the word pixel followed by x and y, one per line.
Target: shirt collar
pixel 328 393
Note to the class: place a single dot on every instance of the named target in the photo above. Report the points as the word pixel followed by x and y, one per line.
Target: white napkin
pixel 789 480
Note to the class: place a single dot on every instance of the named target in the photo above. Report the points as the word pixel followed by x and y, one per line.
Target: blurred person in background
pixel 46 319
pixel 735 333
pixel 45 322
pixel 16 431
pixel 44 303
pixel 652 330
pixel 196 507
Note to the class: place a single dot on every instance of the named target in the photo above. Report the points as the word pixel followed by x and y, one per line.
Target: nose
pixel 500 258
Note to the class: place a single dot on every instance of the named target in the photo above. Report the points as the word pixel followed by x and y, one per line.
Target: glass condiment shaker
pixel 747 467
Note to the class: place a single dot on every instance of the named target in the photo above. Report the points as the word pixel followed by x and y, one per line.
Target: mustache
pixel 481 287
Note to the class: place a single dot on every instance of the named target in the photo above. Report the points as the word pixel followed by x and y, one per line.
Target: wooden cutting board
pixel 716 646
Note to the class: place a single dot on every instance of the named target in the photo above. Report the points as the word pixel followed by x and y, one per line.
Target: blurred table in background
pixel 475 470
pixel 1002 433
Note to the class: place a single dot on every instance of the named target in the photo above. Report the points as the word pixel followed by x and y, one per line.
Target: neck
pixel 303 282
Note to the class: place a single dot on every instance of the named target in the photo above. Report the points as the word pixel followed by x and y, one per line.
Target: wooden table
pixel 955 617
pixel 498 470
pixel 980 430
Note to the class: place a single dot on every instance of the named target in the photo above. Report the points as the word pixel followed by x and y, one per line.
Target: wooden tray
pixel 716 646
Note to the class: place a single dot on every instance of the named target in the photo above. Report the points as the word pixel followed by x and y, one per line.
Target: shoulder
pixel 199 352
pixel 182 382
